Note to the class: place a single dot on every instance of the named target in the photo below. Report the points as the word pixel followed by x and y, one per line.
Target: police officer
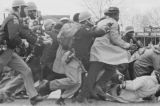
pixel 32 13
pixel 14 32
pixel 84 37
pixel 106 52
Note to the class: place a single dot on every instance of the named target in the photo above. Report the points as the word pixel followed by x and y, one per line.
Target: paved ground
pixel 69 103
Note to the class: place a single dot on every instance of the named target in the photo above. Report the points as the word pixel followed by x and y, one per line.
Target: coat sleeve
pixel 13 32
pixel 115 37
pixel 28 35
pixel 156 61
pixel 97 32
pixel 135 84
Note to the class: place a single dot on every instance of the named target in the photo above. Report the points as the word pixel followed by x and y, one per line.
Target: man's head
pixel 112 12
pixel 85 18
pixel 49 24
pixel 129 31
pixel 19 7
pixel 32 10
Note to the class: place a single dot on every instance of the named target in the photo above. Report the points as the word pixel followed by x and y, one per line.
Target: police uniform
pixel 14 32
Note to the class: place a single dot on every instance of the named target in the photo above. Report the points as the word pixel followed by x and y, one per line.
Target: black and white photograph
pixel 79 52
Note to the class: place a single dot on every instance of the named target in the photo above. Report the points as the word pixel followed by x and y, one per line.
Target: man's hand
pixel 24 41
pixel 39 41
pixel 133 47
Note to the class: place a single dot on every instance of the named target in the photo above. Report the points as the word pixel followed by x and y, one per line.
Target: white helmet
pixel 17 3
pixel 84 16
pixel 31 6
pixel 64 20
pixel 49 22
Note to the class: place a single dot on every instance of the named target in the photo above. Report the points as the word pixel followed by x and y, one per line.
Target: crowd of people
pixel 84 59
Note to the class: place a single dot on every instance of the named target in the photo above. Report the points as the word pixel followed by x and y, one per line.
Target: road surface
pixel 25 102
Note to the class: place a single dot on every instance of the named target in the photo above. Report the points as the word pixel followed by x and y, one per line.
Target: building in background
pixel 56 18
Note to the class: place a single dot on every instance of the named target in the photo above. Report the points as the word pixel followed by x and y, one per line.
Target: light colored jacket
pixel 110 48
pixel 60 66
pixel 139 88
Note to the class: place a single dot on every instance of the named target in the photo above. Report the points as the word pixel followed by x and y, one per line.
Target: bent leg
pixel 19 65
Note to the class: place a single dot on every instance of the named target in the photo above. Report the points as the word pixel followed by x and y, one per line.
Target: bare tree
pixel 151 18
pixel 97 7
pixel 154 17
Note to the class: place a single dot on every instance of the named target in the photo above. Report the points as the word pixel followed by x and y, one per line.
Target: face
pixel 116 17
pixel 89 22
pixel 32 14
pixel 130 34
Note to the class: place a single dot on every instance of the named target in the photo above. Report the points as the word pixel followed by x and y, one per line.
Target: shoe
pixel 44 88
pixel 60 101
pixel 36 99
pixel 81 98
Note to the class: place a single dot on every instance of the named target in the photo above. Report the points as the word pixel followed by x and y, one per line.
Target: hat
pixel 111 10
pixel 129 29
pixel 84 15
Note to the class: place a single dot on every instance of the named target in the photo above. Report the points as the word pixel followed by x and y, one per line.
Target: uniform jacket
pixel 83 41
pixel 60 66
pixel 110 48
pixel 15 31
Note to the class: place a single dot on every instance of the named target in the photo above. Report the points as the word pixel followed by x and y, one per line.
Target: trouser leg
pixel 72 81
pixel 131 70
pixel 19 65
pixel 89 82
pixel 70 91
pixel 124 69
pixel 110 70
pixel 4 59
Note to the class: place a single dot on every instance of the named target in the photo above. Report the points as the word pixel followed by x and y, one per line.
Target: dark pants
pixel 94 70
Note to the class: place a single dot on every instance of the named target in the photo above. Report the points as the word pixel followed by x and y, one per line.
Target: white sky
pixel 52 7
pixel 72 6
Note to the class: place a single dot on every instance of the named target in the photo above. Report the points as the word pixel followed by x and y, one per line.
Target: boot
pixel 36 99
pixel 44 87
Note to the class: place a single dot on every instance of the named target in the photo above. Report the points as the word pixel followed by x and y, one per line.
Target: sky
pixel 69 7
pixel 72 6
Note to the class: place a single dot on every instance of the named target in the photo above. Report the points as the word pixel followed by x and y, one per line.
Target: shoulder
pixel 109 22
pixel 12 18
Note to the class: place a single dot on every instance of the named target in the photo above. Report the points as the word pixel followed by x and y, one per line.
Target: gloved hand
pixel 133 47
pixel 24 41
pixel 39 41
pixel 123 85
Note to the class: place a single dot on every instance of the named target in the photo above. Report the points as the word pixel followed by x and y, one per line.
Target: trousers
pixel 91 79
pixel 12 60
